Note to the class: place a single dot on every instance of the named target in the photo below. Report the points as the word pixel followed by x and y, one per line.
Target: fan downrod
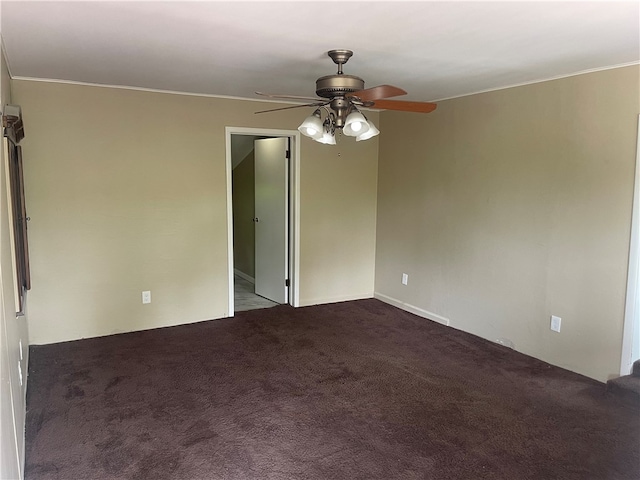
pixel 340 57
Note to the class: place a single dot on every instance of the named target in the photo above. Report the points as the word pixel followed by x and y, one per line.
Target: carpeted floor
pixel 353 390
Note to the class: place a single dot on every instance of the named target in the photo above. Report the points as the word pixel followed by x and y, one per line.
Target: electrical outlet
pixel 146 296
pixel 555 323
pixel 405 279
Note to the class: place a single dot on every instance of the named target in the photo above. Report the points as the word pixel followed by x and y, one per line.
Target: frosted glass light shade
pixel 372 132
pixel 327 138
pixel 355 124
pixel 312 126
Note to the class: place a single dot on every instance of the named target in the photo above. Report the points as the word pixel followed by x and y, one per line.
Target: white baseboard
pixel 244 275
pixel 412 309
pixel 308 302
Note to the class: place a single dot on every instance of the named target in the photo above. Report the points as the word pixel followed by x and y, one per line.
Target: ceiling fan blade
pixel 293 106
pixel 374 93
pixel 402 106
pixel 292 97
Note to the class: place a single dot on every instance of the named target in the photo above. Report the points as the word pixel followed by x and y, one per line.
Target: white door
pixel 271 220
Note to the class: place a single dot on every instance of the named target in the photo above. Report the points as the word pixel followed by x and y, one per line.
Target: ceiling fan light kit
pixel 341 96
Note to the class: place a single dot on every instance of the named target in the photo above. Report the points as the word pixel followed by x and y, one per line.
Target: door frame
pixel 631 328
pixel 294 208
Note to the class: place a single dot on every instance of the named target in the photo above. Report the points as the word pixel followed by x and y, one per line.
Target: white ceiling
pixel 434 50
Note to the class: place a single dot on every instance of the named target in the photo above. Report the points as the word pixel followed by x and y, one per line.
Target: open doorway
pixel 262 217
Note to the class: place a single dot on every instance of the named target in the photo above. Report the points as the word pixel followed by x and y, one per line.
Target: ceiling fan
pixel 341 95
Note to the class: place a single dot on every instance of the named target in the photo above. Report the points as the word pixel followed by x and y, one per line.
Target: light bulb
pixel 355 124
pixel 311 131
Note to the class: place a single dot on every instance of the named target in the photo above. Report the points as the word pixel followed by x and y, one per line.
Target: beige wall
pixel 127 192
pixel 333 205
pixel 507 207
pixel 244 234
pixel 13 331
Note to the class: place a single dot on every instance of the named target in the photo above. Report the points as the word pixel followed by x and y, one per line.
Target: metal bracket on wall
pixel 12 122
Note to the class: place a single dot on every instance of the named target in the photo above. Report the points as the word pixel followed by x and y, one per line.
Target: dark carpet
pixel 353 390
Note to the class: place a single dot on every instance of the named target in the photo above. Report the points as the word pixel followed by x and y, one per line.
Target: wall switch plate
pixel 555 323
pixel 146 296
pixel 405 279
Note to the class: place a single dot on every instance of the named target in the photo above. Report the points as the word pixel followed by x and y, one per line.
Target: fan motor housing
pixel 338 85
